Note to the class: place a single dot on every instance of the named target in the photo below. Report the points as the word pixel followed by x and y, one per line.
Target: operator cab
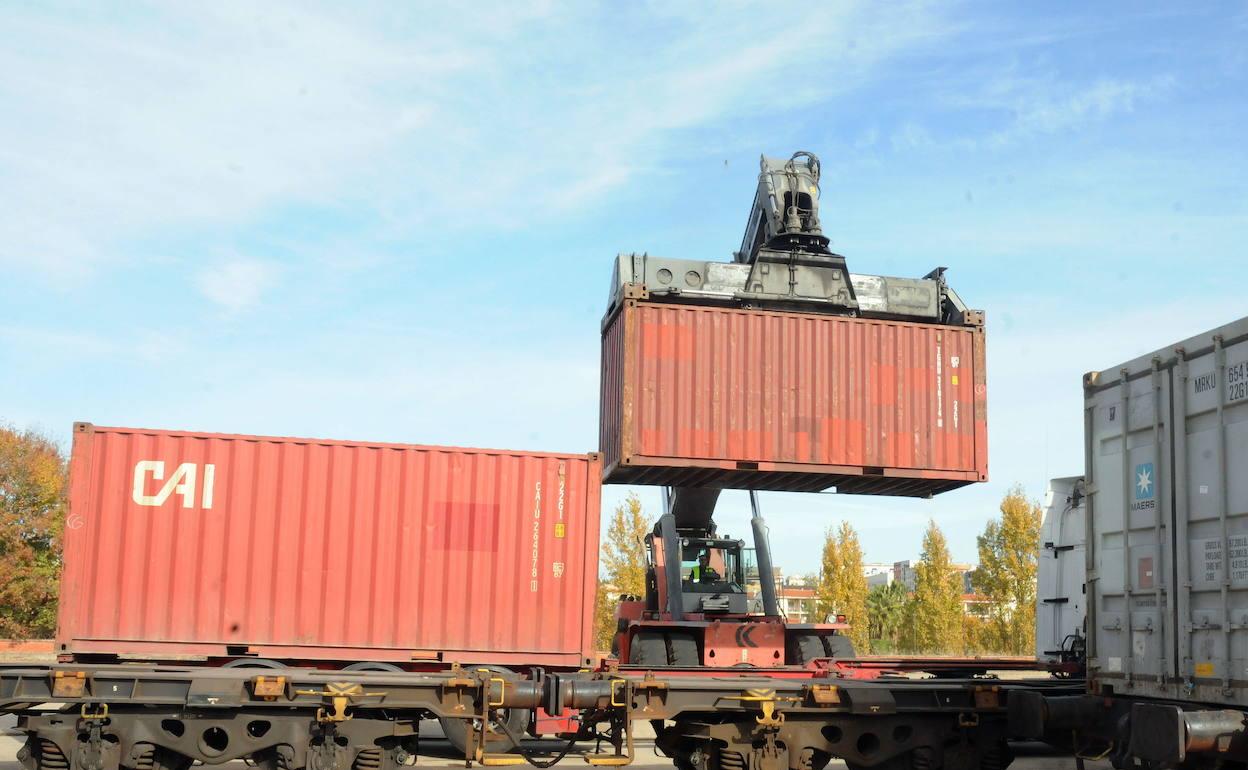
pixel 712 574
pixel 711 566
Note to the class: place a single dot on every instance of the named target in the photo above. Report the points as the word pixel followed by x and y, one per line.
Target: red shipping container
pixel 696 395
pixel 221 545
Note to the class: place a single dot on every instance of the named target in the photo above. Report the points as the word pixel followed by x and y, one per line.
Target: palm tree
pixel 884 609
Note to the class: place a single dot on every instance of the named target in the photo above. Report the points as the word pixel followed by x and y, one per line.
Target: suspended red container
pixel 220 545
pixel 696 395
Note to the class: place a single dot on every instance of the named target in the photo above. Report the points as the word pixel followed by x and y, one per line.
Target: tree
pixel 977 636
pixel 829 568
pixel 1008 552
pixel 33 481
pixel 885 605
pixel 623 566
pixel 842 588
pixel 933 615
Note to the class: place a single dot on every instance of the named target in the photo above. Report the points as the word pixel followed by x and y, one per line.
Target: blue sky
pixel 398 223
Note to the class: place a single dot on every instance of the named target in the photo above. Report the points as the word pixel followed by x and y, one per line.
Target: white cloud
pixel 427 385
pixel 39 342
pixel 212 116
pixel 911 136
pixel 1052 109
pixel 867 139
pixel 1023 106
pixel 236 284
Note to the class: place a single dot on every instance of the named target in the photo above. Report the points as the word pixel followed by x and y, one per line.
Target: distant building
pixel 903 572
pixel 968 580
pixel 877 574
pixel 797 604
pixel 796 597
pixel 975 604
pixel 801 581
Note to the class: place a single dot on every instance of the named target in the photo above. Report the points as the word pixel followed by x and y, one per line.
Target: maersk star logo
pixel 1143 481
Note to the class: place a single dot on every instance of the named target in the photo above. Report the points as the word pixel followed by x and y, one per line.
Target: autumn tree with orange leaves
pixel 623 566
pixel 33 482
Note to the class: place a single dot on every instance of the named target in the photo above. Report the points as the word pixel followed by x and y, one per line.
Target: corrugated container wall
pixel 713 396
pixel 221 545
pixel 1166 460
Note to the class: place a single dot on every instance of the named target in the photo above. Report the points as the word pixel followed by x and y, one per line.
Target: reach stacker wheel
pixel 648 648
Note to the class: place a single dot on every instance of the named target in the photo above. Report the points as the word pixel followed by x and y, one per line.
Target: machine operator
pixel 704 572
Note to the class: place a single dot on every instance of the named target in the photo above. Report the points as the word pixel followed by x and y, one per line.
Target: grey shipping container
pixel 1167 541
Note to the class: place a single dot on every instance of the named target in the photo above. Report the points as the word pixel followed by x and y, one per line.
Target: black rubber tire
pixel 647 649
pixel 683 650
pixel 838 646
pixel 804 648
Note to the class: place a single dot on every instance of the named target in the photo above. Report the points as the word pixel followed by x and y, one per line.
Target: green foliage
pixel 842 588
pixel 33 482
pixel 604 615
pixel 885 607
pixel 1009 550
pixel 932 619
pixel 829 567
pixel 977 636
pixel 623 566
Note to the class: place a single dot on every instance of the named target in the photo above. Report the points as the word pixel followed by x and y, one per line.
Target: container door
pixel 1212 462
pixel 1130 560
pixel 1059 573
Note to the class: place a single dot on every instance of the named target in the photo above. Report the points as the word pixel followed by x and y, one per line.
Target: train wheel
pixel 253 663
pixel 497 740
pixel 501 722
pixel 165 759
pixel 900 762
pixel 272 758
pixel 819 759
pixel 159 758
pixel 370 665
pixel 683 650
